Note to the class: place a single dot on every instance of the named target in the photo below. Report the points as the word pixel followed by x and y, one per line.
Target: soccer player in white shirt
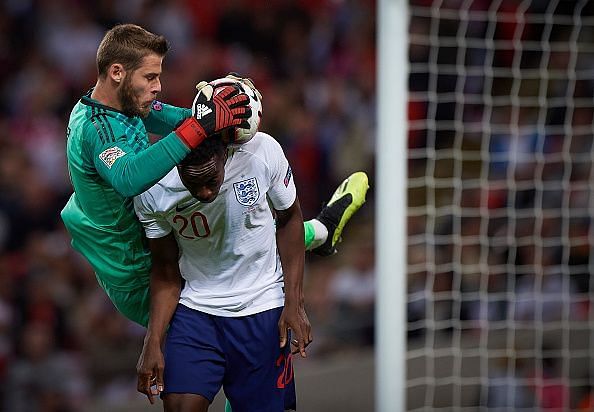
pixel 210 221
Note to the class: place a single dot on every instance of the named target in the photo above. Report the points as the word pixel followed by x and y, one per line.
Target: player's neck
pixel 106 95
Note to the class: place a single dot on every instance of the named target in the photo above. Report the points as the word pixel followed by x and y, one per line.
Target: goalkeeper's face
pixel 204 180
pixel 140 87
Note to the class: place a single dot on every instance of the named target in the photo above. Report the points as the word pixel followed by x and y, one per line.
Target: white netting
pixel 501 200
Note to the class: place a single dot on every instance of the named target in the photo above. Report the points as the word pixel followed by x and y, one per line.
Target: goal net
pixel 501 202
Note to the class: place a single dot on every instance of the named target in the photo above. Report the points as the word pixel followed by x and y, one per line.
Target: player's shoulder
pixel 170 183
pixel 102 123
pixel 164 189
pixel 261 143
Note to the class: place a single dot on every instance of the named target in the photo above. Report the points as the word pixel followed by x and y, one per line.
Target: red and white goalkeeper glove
pixel 214 111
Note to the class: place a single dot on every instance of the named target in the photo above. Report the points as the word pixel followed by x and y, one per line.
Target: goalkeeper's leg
pixel 133 304
pixel 323 233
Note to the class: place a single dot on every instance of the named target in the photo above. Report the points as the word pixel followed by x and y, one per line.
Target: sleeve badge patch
pixel 157 105
pixel 109 156
pixel 288 176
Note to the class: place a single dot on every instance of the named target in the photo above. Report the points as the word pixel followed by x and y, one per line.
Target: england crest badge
pixel 247 192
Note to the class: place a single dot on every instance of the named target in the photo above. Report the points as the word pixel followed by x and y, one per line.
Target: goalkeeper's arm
pixel 130 172
pixel 227 108
pixel 163 118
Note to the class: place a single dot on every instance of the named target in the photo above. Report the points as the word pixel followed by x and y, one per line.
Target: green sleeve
pixel 129 171
pixel 163 118
pixel 310 234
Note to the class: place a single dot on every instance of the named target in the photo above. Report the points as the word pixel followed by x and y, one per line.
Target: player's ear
pixel 116 72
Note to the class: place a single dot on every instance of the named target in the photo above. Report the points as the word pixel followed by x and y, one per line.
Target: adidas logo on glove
pixel 201 111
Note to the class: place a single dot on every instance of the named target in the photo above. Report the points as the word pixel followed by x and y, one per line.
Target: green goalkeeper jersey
pixel 110 160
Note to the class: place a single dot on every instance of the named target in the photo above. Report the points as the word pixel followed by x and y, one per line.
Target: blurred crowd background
pixel 62 344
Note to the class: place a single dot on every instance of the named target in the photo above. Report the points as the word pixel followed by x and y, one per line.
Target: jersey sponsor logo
pixel 157 105
pixel 288 176
pixel 246 191
pixel 202 110
pixel 109 156
pixel 179 208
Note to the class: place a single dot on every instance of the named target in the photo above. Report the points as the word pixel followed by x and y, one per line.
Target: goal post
pixel 390 355
pixel 500 236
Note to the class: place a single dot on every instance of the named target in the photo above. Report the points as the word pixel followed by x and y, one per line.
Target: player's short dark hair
pixel 128 44
pixel 211 146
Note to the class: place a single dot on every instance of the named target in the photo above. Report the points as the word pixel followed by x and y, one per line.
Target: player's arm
pixel 227 108
pixel 289 239
pixel 131 173
pixel 165 288
pixel 163 118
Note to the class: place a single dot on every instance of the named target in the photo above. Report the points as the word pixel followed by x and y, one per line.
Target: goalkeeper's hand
pixel 238 135
pixel 233 79
pixel 213 111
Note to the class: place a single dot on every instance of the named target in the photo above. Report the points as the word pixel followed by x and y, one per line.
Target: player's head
pixel 203 170
pixel 130 58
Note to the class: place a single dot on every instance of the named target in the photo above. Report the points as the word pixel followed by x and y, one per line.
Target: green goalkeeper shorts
pixel 133 304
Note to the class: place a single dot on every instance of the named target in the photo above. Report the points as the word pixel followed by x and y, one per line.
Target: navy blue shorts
pixel 204 352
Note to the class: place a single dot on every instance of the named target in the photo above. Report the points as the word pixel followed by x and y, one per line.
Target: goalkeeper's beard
pixel 129 100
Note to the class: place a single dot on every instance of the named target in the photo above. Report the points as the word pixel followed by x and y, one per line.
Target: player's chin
pixel 206 200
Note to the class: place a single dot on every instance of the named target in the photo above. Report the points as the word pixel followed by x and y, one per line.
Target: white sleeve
pixel 154 224
pixel 282 192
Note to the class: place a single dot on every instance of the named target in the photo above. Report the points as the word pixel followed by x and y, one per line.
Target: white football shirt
pixel 228 253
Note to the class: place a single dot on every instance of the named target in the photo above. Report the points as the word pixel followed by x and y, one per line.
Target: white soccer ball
pixel 241 134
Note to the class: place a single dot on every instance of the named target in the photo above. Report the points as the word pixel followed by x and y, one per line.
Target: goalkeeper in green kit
pixel 110 160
